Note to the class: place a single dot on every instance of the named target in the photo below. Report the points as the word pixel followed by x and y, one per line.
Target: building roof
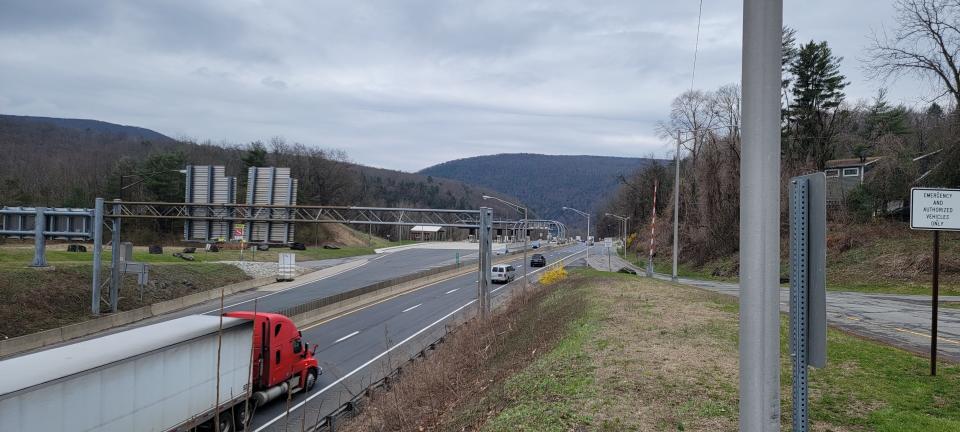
pixel 426 228
pixel 854 162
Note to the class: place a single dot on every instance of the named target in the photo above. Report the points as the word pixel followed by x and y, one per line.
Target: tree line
pixel 913 146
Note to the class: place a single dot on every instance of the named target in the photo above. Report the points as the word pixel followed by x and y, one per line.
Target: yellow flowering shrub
pixel 553 276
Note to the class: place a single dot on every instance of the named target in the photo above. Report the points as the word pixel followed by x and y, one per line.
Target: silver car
pixel 503 273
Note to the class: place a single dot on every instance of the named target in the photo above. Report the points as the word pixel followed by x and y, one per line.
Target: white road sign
pixel 608 242
pixel 935 209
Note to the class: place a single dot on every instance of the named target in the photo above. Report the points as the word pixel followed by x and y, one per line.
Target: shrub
pixel 553 276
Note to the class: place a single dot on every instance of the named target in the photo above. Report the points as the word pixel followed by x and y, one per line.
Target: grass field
pixel 883 258
pixel 645 355
pixel 32 300
pixel 22 255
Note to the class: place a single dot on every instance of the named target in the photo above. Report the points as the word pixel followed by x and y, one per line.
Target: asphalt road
pixel 363 346
pixel 899 320
pixel 377 269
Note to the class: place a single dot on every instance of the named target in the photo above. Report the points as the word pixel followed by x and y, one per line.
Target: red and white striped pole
pixel 653 230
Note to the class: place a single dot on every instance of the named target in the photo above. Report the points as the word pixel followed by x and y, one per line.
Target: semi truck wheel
pixel 311 380
pixel 226 422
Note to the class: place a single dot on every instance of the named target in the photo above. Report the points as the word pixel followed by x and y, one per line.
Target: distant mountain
pixel 96 126
pixel 546 183
pixel 68 162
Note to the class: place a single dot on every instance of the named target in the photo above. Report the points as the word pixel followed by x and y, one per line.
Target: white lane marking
pixel 347 337
pixel 290 288
pixel 412 307
pixel 451 291
pixel 361 367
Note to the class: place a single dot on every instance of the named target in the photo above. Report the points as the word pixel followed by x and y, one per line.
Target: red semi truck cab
pixel 282 362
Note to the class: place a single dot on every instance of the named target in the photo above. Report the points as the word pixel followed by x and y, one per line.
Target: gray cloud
pixel 396 84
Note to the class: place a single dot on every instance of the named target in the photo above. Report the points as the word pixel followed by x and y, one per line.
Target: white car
pixel 503 274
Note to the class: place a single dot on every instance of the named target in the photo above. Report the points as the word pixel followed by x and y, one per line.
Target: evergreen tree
pixel 814 115
pixel 882 119
pixel 256 155
pixel 161 177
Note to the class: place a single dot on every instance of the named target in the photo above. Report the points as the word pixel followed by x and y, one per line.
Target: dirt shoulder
pixel 647 355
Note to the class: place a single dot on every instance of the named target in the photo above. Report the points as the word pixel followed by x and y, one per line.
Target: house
pixel 844 175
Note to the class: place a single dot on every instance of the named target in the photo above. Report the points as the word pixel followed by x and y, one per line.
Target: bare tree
pixel 926 43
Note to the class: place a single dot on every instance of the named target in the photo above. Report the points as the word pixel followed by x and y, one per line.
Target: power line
pixel 696 47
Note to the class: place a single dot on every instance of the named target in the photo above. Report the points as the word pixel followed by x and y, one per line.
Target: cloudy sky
pixel 396 83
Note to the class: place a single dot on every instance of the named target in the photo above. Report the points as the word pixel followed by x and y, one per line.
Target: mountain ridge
pixel 553 181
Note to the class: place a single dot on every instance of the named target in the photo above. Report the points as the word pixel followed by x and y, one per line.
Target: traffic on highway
pixel 264 357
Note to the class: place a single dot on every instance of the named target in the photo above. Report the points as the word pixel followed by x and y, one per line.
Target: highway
pixel 362 346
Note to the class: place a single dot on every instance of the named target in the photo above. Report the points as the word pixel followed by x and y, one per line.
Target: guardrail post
pixel 39 240
pixel 97 251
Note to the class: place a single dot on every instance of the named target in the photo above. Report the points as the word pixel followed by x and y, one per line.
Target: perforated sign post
pixel 608 242
pixel 935 210
pixel 808 300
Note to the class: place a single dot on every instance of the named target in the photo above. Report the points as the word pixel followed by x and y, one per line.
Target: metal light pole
pixel 623 220
pixel 518 207
pixel 586 215
pixel 759 217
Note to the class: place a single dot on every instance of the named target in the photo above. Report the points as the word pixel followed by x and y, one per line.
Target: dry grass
pixel 646 355
pixel 665 358
pixel 458 386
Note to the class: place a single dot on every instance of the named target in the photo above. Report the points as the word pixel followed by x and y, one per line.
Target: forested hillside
pixel 67 162
pixel 546 183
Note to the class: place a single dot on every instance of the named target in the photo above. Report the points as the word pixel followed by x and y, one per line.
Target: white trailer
pixel 161 377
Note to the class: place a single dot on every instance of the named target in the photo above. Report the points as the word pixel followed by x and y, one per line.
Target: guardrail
pixel 328 423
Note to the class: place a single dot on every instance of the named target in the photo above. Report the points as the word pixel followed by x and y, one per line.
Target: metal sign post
pixel 936 210
pixel 608 242
pixel 808 319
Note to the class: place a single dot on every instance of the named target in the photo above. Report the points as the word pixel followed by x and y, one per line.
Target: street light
pixel 622 219
pixel 143 177
pixel 586 215
pixel 518 207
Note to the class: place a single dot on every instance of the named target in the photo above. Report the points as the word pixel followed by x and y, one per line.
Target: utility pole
pixel 623 230
pixel 676 210
pixel 518 207
pixel 485 236
pixel 759 218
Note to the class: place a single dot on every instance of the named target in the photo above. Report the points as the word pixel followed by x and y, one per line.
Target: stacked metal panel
pixel 208 184
pixel 59 223
pixel 271 186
